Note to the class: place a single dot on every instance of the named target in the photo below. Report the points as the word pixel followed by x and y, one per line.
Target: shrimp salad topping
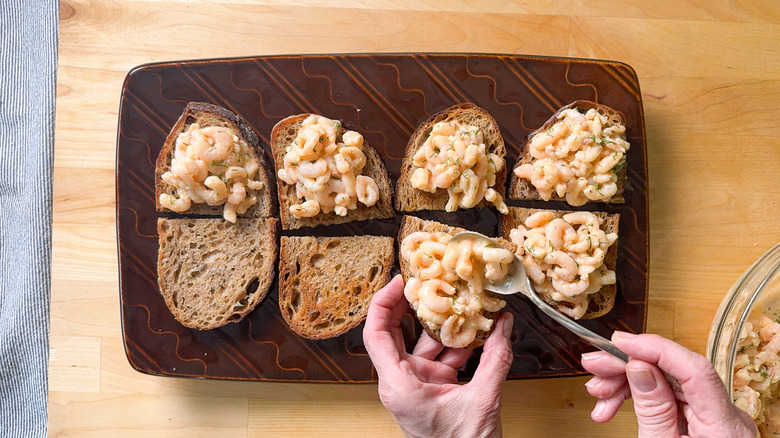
pixel 565 257
pixel 577 158
pixel 757 373
pixel 327 172
pixel 214 166
pixel 446 286
pixel 454 157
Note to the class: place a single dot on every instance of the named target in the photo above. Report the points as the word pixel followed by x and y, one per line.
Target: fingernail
pixel 593 382
pixel 599 409
pixel 507 328
pixel 591 356
pixel 622 335
pixel 643 380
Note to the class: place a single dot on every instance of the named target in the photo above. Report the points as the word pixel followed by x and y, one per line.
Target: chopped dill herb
pixel 620 165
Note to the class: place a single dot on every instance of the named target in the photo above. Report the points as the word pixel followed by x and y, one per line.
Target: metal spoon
pixel 517 281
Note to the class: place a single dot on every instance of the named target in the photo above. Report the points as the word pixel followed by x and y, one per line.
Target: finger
pixel 382 331
pixel 431 349
pixel 606 408
pixel 654 403
pixel 600 363
pixel 427 347
pixel 496 357
pixel 605 387
pixel 703 389
pixel 455 357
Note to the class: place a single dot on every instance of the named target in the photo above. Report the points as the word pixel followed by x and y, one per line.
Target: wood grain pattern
pixel 710 84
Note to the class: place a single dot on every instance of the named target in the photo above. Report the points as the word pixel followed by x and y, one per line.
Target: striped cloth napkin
pixel 28 65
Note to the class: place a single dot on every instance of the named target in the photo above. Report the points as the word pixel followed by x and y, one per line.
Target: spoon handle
pixel 594 339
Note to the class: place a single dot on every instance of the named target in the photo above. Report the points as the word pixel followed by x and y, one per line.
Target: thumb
pixel 654 403
pixel 496 357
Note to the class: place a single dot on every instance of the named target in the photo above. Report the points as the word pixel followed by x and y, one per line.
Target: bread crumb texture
pixel 326 283
pixel 212 272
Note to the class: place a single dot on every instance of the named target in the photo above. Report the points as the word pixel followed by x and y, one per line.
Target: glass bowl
pixel 757 290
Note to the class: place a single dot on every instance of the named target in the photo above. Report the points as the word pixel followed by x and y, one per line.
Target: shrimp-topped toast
pixel 570 257
pixel 577 156
pixel 453 160
pixel 327 174
pixel 451 307
pixel 212 163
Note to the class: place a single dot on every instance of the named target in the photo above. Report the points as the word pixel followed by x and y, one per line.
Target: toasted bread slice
pixel 521 188
pixel 211 272
pixel 206 114
pixel 600 302
pixel 409 198
pixel 282 136
pixel 411 224
pixel 326 283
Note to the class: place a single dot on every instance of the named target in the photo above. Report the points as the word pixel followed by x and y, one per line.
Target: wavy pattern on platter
pixel 384 97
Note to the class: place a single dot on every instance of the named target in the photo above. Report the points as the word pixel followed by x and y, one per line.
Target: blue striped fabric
pixel 28 63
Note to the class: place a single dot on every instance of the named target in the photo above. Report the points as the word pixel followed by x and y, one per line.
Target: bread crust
pixel 409 198
pixel 324 289
pixel 207 268
pixel 601 302
pixel 282 135
pixel 207 114
pixel 410 224
pixel 521 188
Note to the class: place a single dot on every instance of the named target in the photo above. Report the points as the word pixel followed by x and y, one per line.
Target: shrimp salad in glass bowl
pixel 744 342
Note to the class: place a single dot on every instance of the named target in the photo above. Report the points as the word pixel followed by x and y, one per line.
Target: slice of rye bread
pixel 602 301
pixel 282 136
pixel 409 198
pixel 211 272
pixel 326 283
pixel 410 224
pixel 521 188
pixel 206 114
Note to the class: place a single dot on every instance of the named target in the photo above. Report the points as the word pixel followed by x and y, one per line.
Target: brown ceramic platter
pixel 383 96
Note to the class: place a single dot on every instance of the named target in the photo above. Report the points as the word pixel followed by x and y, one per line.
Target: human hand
pixel 703 409
pixel 421 390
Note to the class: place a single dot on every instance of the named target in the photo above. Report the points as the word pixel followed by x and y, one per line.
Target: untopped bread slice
pixel 521 188
pixel 411 224
pixel 409 198
pixel 326 283
pixel 212 272
pixel 282 136
pixel 207 114
pixel 600 302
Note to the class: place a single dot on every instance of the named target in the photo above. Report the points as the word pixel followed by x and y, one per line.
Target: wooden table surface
pixel 710 78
